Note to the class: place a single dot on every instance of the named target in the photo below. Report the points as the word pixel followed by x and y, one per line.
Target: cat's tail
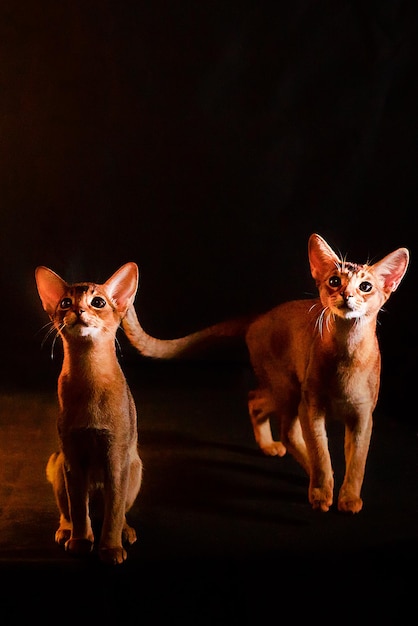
pixel 188 347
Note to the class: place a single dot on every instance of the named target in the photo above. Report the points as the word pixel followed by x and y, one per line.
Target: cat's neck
pixel 351 338
pixel 90 359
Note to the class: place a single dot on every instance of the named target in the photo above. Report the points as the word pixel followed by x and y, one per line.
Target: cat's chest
pixel 92 403
pixel 343 379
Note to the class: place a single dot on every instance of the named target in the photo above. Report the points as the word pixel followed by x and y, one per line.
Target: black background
pixel 206 141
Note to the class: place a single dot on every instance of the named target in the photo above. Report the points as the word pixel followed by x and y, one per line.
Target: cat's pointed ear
pixel 51 288
pixel 322 258
pixel 391 269
pixel 121 287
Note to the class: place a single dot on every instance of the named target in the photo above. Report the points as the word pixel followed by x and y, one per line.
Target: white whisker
pixel 330 317
pixel 118 347
pixel 326 316
pixel 49 333
pixel 320 321
pixel 44 326
pixel 313 306
pixel 55 339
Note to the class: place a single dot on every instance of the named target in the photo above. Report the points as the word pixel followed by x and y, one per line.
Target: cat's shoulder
pixel 296 313
pixel 290 309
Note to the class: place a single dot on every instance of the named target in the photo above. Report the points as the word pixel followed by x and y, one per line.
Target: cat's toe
pixel 320 505
pixel 320 499
pixel 350 505
pixel 276 448
pixel 112 555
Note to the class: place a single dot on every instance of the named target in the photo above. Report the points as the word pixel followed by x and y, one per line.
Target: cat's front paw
pixel 320 499
pixel 112 555
pixel 275 448
pixel 350 504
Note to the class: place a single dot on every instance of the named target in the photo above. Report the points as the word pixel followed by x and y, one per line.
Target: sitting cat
pixel 313 359
pixel 98 469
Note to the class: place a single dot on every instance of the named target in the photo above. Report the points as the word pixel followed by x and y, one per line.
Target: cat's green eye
pixel 365 286
pixel 66 303
pixel 334 281
pixel 98 302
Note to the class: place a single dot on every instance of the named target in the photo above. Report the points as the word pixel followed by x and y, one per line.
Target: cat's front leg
pixel 81 540
pixel 115 527
pixel 356 446
pixel 321 478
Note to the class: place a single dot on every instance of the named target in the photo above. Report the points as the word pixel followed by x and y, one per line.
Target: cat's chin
pixel 81 330
pixel 348 314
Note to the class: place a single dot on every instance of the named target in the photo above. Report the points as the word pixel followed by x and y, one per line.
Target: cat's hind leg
pixel 261 408
pixel 55 475
pixel 128 534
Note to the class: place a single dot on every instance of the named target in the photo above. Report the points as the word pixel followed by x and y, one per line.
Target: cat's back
pixel 287 324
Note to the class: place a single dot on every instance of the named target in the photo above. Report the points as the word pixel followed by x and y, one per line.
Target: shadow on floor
pixel 224 532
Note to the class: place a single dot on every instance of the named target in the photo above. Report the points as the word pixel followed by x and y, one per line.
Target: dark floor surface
pixel 226 535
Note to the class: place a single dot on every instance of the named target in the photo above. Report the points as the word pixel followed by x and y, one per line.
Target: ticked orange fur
pixel 98 469
pixel 313 360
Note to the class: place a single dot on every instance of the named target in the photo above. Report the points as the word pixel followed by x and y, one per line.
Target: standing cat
pixel 313 359
pixel 98 468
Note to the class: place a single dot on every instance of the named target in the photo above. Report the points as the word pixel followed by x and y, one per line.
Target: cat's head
pixel 350 290
pixel 85 310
